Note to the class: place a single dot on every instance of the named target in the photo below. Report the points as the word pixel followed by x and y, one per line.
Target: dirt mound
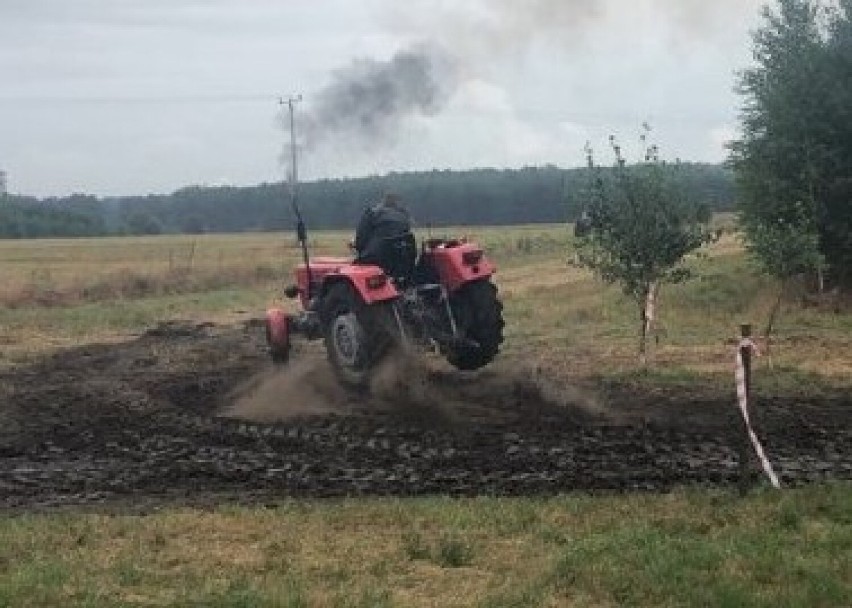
pixel 192 413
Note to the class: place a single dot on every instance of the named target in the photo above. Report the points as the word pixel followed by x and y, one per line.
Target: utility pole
pixel 290 102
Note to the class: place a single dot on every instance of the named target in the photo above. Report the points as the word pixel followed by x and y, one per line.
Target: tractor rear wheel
pixel 479 318
pixel 357 335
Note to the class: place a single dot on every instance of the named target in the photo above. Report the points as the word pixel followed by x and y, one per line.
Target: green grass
pixel 60 292
pixel 691 548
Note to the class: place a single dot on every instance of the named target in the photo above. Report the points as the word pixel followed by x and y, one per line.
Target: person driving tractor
pixel 387 221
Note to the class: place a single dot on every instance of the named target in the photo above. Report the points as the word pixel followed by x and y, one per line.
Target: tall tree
pixel 836 219
pixel 792 163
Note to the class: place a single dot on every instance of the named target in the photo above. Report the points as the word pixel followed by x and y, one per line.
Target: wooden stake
pixel 745 447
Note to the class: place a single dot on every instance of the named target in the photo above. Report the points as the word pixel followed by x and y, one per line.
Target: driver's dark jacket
pixel 377 224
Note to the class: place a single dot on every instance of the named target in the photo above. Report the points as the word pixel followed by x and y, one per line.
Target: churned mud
pixel 189 413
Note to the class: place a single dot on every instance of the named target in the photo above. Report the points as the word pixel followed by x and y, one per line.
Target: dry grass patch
pixel 67 272
pixel 70 272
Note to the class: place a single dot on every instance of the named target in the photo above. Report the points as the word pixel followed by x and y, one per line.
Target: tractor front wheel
pixel 278 335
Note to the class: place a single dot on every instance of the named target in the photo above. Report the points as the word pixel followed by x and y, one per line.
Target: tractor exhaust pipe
pixel 301 229
pixel 279 324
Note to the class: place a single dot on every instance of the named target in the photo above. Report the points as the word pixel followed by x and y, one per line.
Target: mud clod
pixel 189 413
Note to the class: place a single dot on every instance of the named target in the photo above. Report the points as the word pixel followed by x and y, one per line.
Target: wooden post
pixel 745 444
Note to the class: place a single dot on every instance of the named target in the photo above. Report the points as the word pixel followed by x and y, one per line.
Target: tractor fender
pixel 370 283
pixel 278 333
pixel 462 264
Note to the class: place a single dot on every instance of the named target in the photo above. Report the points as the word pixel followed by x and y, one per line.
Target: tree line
pixel 435 198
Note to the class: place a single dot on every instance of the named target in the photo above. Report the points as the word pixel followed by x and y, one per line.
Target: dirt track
pixel 140 423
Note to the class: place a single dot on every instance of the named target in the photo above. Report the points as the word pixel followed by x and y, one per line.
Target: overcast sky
pixel 115 97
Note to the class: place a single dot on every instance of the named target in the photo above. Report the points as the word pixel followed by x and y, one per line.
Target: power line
pixel 140 99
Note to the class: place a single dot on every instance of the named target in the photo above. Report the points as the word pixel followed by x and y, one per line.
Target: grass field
pixel 706 548
pixel 62 292
pixel 684 549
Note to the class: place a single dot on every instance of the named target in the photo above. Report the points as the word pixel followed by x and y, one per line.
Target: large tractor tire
pixel 357 336
pixel 479 319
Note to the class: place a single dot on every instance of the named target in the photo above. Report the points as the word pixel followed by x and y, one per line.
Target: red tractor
pixel 441 298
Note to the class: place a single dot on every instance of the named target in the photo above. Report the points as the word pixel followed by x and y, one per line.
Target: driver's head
pixel 392 200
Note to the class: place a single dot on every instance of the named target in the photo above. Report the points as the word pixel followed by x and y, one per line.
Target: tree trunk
pixel 773 314
pixel 651 308
pixel 643 335
pixel 647 311
pixel 770 323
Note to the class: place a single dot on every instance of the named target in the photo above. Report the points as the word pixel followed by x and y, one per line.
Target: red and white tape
pixel 742 399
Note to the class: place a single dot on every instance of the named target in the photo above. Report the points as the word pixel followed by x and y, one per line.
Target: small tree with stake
pixel 641 226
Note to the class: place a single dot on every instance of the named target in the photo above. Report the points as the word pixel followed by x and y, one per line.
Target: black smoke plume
pixel 366 102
